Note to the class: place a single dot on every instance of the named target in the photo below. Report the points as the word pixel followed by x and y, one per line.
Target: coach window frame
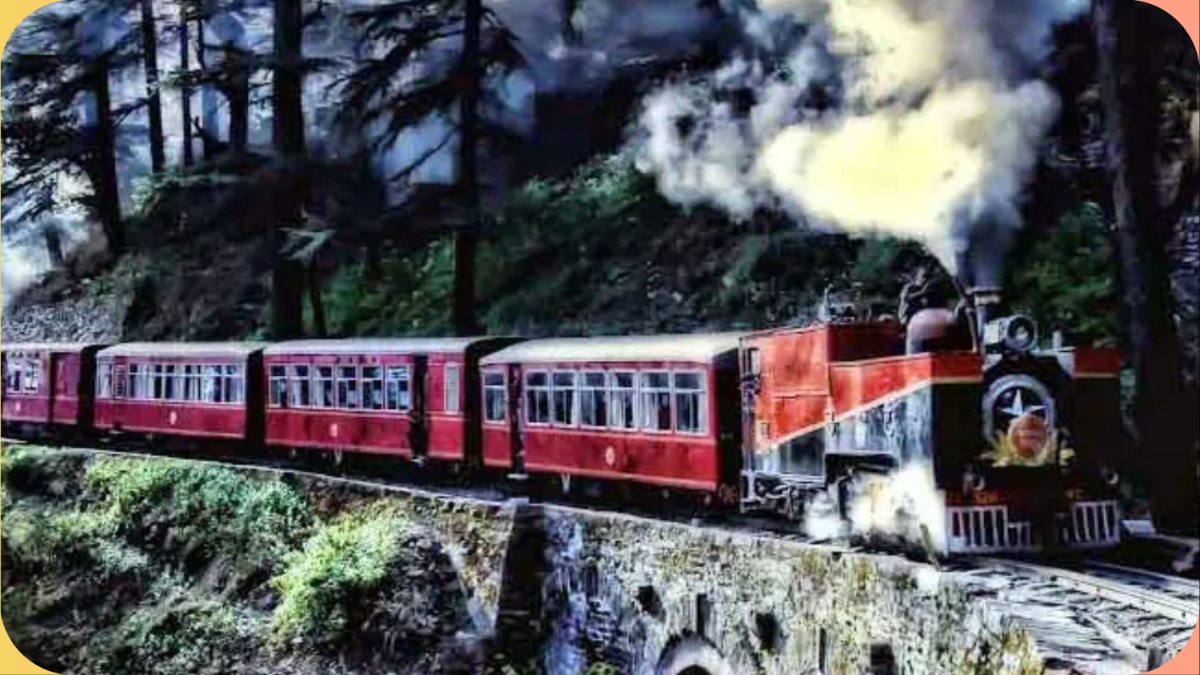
pixel 397 388
pixel 617 392
pixel 299 387
pixel 571 390
pixel 277 386
pixel 701 398
pixel 355 387
pixel 452 396
pixel 532 390
pixel 644 391
pixel 372 389
pixel 490 389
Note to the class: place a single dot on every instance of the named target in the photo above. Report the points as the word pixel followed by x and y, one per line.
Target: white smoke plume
pixel 915 118
pixel 902 505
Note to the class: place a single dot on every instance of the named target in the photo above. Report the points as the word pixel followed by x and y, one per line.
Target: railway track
pixel 1084 612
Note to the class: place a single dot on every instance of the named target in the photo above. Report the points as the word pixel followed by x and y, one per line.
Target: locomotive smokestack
pixel 986 301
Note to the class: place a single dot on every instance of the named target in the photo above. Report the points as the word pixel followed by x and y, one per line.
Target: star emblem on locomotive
pixel 1019 420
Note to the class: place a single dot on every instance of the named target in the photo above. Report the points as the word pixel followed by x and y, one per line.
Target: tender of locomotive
pixel 1019 439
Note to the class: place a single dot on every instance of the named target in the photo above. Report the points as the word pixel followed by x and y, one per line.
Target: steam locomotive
pixel 1017 440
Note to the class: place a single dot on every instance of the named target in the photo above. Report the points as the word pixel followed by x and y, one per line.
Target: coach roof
pixel 170 350
pixel 375 346
pixel 692 348
pixel 48 346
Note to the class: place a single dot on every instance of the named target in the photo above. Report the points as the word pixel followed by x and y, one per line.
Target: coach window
pixel 170 391
pixel 537 398
pixel 12 376
pixel 593 401
pixel 278 386
pixel 104 382
pixel 191 383
pixel 299 386
pixel 347 388
pixel 399 389
pixel 691 410
pixel 495 397
pixel 33 376
pixel 323 387
pixel 120 384
pixel 656 401
pixel 564 398
pixel 372 388
pixel 231 385
pixel 452 388
pixel 156 383
pixel 210 384
pixel 622 411
pixel 137 381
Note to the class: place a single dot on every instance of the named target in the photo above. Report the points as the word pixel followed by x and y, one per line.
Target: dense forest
pixel 219 169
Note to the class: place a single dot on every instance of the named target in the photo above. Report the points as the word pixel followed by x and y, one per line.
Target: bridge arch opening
pixel 692 655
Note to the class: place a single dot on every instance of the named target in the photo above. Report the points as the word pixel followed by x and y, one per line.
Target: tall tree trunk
pixel 158 157
pixel 288 277
pixel 209 104
pixel 239 105
pixel 107 194
pixel 1128 75
pixel 466 238
pixel 189 157
pixel 315 301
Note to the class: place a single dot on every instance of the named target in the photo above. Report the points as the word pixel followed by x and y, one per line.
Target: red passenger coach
pixel 184 389
pixel 412 398
pixel 48 383
pixel 657 410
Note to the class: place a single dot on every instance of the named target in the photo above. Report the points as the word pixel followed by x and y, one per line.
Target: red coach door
pixel 516 425
pixel 54 388
pixel 418 429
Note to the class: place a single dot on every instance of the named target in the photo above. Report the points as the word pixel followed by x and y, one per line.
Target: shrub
pixel 340 564
pixel 200 513
pixel 371 580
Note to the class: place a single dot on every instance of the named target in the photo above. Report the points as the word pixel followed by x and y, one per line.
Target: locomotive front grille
pixel 1091 524
pixel 985 529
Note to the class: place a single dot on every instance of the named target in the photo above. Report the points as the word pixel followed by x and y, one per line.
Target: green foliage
pixel 341 564
pixel 410 296
pixel 198 514
pixel 175 631
pixel 1065 279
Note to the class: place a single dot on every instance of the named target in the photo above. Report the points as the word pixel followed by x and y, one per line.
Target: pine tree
pixel 377 95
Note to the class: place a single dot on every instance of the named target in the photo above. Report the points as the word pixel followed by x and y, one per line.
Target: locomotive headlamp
pixel 1016 333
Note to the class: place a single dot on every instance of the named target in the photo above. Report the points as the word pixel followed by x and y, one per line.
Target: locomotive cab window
pixel 452 388
pixel 537 398
pixel 655 390
pixel 278 386
pixel 593 401
pixel 564 398
pixel 399 389
pixel 495 397
pixel 622 411
pixel 691 409
pixel 372 388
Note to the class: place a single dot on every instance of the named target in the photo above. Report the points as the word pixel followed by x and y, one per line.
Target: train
pixel 1019 439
